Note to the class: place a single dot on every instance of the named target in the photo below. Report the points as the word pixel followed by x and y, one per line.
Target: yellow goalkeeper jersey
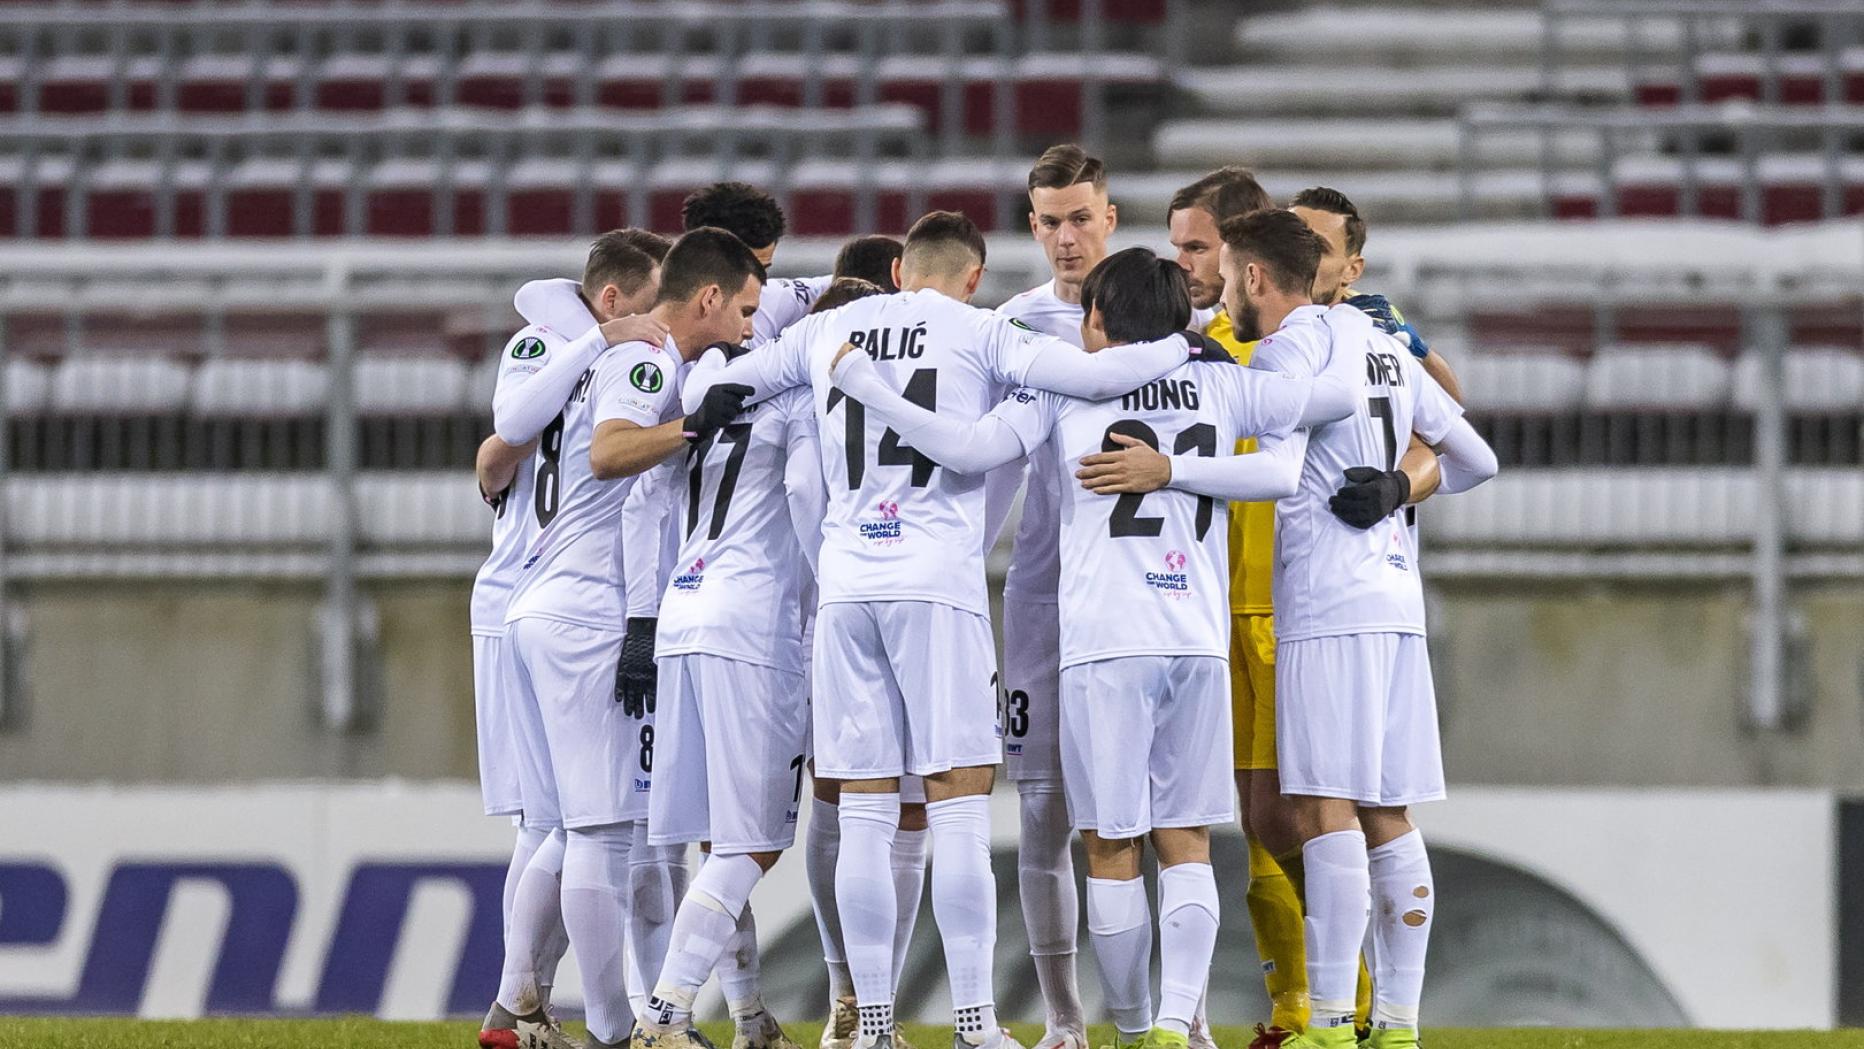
pixel 1252 525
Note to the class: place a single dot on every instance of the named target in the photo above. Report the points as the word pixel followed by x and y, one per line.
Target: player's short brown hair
pixel 943 241
pixel 1067 165
pixel 1323 198
pixel 703 257
pixel 1226 193
pixel 623 258
pixel 871 259
pixel 843 291
pixel 1139 296
pixel 1281 242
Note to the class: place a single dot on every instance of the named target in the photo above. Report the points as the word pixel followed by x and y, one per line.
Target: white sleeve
pixel 1465 458
pixel 524 404
pixel 802 480
pixel 784 301
pixel 971 447
pixel 1018 355
pixel 643 517
pixel 1000 487
pixel 1272 471
pixel 778 365
pixel 635 382
pixel 1327 353
pixel 555 303
pixel 1259 403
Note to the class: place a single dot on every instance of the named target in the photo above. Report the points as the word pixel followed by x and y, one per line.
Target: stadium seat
pixel 507 80
pixel 100 384
pixel 236 83
pixel 122 199
pixel 115 511
pixel 1523 381
pixel 28 387
pixel 45 200
pixel 261 197
pixel 1657 377
pixel 420 508
pixel 245 388
pixel 402 198
pixel 388 384
pixel 360 81
pixel 1818 379
pixel 1722 77
pixel 1689 507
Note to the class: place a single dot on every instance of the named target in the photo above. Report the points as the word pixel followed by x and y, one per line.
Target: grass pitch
pixel 363 1033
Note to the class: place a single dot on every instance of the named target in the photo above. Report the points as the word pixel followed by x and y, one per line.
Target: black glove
pixel 1370 495
pixel 1204 348
pixel 721 405
pixel 636 677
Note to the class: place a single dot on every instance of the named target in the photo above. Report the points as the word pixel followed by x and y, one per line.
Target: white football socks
pixel 821 848
pixel 1339 899
pixel 595 911
pixel 534 940
pixel 1404 897
pixel 910 848
pixel 704 927
pixel 964 901
pixel 1051 905
pixel 523 847
pixel 865 898
pixel 740 971
pixel 1119 922
pixel 1187 940
pixel 656 882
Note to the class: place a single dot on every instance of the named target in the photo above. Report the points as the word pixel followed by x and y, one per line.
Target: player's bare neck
pixel 681 322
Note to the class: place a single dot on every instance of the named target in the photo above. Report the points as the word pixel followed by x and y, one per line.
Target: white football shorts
pixel 903 687
pixel 497 725
pixel 1145 743
pixel 1031 691
pixel 1356 718
pixel 730 738
pixel 600 758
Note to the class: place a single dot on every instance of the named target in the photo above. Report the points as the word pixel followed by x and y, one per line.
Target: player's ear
pixel 896 273
pixel 1355 269
pixel 711 300
pixel 971 282
pixel 1113 217
pixel 1032 222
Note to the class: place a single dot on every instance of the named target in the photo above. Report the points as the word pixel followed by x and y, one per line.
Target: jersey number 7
pixel 1125 520
pixel 922 390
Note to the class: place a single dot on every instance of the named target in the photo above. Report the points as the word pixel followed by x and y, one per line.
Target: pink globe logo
pixel 1174 560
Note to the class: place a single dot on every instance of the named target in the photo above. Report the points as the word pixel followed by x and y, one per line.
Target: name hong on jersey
pixel 1174 581
pixel 1161 395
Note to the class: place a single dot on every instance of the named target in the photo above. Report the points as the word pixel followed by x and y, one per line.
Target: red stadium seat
pixel 261 198
pixel 219 83
pixel 402 197
pixel 636 80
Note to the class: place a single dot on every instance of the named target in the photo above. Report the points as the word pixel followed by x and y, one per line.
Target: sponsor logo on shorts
pixel 642 784
pixel 888 529
pixel 692 577
pixel 1012 748
pixel 1174 581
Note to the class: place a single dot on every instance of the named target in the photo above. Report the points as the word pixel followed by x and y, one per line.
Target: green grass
pixel 359 1033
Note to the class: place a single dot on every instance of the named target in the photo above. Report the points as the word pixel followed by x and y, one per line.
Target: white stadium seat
pixel 1523 381
pixel 1661 377
pixel 1818 378
pixel 235 387
pixel 406 385
pixel 25 387
pixel 119 385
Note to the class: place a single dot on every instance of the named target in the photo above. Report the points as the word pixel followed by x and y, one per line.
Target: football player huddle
pixel 739 542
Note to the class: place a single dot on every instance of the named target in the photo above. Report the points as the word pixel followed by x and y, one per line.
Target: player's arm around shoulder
pixel 632 389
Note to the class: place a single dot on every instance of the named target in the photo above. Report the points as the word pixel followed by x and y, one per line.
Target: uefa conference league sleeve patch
pixel 528 348
pixel 646 377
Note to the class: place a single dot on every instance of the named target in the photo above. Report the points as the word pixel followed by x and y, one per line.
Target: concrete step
pixel 1318 90
pixel 1361 144
pixel 1327 34
pixel 1382 197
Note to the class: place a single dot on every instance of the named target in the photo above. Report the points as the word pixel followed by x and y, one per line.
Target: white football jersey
pixel 514 522
pixel 785 300
pixel 1332 578
pixel 1035 561
pixel 738 580
pixel 1148 575
pixel 573 569
pixel 898 527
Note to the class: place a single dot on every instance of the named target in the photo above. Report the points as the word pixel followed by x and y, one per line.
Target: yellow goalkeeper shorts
pixel 1252 690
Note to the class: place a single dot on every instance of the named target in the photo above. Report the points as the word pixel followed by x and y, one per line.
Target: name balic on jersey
pixel 880 344
pixel 1161 395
